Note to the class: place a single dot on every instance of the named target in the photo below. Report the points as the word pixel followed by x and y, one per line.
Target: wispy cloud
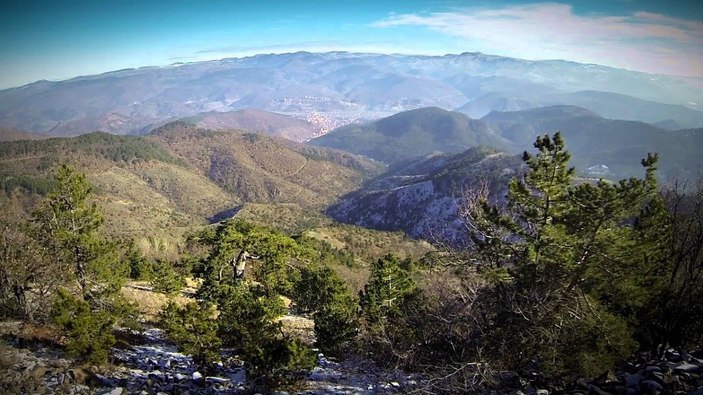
pixel 641 41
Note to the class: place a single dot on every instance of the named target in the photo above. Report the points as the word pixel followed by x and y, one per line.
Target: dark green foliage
pixel 672 312
pixel 140 268
pixel 193 328
pixel 396 327
pixel 337 322
pixel 389 286
pixel 316 287
pixel 247 319
pixel 38 185
pixel 265 251
pixel 321 292
pixel 98 144
pixel 247 323
pixel 166 279
pixel 563 266
pixel 67 225
pixel 247 313
pixel 89 332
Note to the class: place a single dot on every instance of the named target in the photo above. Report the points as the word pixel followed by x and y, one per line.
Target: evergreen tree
pixel 389 285
pixel 67 227
pixel 240 247
pixel 193 328
pixel 563 258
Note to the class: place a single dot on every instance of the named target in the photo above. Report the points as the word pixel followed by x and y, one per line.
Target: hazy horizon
pixel 78 38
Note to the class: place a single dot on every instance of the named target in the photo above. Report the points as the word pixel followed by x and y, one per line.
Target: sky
pixel 57 40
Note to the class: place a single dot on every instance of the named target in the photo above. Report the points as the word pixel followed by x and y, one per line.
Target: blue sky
pixel 61 39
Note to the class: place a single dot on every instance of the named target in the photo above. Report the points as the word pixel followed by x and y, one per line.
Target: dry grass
pixel 150 303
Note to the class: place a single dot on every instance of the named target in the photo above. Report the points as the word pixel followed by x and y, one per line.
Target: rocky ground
pixel 153 366
pixel 149 364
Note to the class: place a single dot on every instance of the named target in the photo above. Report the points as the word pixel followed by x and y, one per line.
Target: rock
pixel 634 380
pixel 197 375
pixel 83 376
pixel 217 380
pixel 116 391
pixel 687 367
pixel 652 385
pixel 542 392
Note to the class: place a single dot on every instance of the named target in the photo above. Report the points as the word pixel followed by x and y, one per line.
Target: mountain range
pixel 338 88
pixel 599 146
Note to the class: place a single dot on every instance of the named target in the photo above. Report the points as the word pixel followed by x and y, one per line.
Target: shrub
pixel 194 330
pixel 247 323
pixel 90 332
pixel 166 278
pixel 337 322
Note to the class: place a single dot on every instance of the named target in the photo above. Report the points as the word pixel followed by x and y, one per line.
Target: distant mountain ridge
pixel 593 141
pixel 605 104
pixel 411 134
pixel 336 88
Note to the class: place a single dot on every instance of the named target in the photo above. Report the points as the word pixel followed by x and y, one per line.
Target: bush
pixel 166 278
pixel 337 323
pixel 247 323
pixel 90 332
pixel 389 285
pixel 193 328
pixel 140 268
pixel 316 288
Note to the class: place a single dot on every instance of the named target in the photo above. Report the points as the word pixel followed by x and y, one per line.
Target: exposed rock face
pixel 423 198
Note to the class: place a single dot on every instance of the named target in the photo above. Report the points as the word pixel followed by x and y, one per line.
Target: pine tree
pixel 67 227
pixel 389 284
pixel 562 258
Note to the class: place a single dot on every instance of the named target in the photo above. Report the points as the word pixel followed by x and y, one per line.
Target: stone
pixel 116 391
pixel 653 385
pixel 197 375
pixel 634 380
pixel 83 376
pixel 687 367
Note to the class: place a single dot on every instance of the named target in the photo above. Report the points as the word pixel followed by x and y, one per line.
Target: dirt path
pixel 295 173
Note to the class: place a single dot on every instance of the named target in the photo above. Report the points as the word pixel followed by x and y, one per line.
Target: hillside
pixel 8 134
pixel 422 198
pixel 182 176
pixel 594 141
pixel 412 134
pixel 254 120
pixel 258 168
pixel 338 88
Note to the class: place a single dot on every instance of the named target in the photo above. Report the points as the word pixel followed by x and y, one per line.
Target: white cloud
pixel 641 41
